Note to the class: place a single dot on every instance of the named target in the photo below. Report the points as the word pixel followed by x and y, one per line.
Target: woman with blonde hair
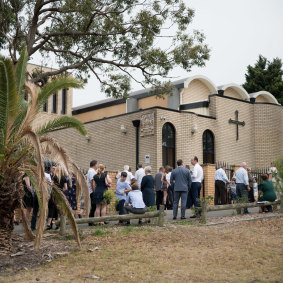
pixel 101 183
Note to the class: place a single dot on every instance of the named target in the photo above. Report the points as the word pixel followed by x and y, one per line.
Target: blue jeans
pixel 195 193
pixel 242 194
pixel 177 195
pixel 121 208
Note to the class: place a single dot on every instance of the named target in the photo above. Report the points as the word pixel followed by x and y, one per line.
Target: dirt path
pixel 234 252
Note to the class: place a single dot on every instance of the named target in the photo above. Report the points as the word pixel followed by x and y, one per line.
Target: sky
pixel 236 31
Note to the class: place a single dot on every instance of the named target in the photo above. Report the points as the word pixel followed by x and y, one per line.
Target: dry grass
pixel 241 252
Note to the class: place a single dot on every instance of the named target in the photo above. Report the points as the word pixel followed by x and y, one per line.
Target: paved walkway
pixel 169 217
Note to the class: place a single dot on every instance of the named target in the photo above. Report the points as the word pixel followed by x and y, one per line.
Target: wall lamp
pixel 162 118
pixel 123 129
pixel 194 129
pixel 87 139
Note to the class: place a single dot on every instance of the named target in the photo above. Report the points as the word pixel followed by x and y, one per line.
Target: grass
pixel 239 252
pixel 100 233
pixel 185 223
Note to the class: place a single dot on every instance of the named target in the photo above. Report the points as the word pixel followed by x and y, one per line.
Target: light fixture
pixel 194 129
pixel 87 139
pixel 162 118
pixel 123 129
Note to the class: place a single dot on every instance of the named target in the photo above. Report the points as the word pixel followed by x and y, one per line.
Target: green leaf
pixel 62 122
pixel 21 70
pixel 54 86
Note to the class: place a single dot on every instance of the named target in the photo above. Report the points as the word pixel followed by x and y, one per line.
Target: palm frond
pixel 62 122
pixel 21 71
pixel 56 85
pixel 30 236
pixel 8 97
pixel 81 187
pixel 63 204
pixel 42 214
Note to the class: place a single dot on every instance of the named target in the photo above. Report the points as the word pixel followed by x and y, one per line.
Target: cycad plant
pixel 23 147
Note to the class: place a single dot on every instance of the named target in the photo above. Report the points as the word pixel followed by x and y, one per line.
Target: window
pixel 168 145
pixel 54 103
pixel 208 147
pixel 64 101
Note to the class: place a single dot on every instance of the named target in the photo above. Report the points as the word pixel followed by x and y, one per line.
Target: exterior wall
pixel 107 144
pixel 262 98
pixel 196 91
pixel 43 117
pixel 232 93
pixel 102 113
pixel 268 140
pixel 201 110
pixel 152 101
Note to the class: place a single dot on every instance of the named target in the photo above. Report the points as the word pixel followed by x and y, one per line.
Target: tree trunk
pixel 5 238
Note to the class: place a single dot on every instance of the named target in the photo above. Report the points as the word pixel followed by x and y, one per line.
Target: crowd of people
pixel 244 187
pixel 136 193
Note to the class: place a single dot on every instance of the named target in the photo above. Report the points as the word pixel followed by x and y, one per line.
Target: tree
pixel 265 75
pixel 110 38
pixel 24 146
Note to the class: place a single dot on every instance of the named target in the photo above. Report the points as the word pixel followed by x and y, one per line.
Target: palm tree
pixel 23 147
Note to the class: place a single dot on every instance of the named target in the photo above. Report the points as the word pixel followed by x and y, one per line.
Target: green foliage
pixel 116 40
pixel 151 208
pixel 279 175
pixel 108 196
pixel 265 75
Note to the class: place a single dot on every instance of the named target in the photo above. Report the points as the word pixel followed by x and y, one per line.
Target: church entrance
pixel 168 145
pixel 208 147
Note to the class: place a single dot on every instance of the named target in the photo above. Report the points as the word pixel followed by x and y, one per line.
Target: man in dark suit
pixel 158 187
pixel 181 181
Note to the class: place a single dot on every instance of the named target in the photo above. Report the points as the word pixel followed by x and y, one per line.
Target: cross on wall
pixel 237 122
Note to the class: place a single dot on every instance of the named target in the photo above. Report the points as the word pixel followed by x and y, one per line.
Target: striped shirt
pixel 241 176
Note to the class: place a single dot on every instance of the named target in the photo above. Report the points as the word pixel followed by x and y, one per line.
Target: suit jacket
pixel 158 182
pixel 181 179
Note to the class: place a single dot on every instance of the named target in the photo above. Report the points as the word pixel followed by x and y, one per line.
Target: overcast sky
pixel 237 31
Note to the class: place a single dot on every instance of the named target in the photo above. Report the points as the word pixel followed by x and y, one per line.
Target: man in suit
pixel 158 187
pixel 181 181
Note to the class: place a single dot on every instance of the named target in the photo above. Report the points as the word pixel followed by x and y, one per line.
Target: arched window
pixel 168 145
pixel 208 147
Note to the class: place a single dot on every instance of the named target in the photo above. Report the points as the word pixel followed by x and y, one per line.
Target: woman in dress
pixel 147 188
pixel 28 197
pixel 59 179
pixel 101 183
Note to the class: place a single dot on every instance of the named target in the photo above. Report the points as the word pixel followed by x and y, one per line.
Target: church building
pixel 223 123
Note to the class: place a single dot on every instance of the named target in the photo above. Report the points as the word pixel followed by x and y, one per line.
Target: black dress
pixel 100 188
pixel 71 194
pixel 28 197
pixel 147 188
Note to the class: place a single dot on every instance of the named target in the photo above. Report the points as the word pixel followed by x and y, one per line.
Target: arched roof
pixel 210 85
pixel 239 89
pixel 266 94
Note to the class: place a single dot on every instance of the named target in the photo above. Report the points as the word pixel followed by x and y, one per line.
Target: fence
pixel 153 214
pixel 204 208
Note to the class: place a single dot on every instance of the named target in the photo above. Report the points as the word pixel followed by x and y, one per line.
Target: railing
pixel 153 214
pixel 204 209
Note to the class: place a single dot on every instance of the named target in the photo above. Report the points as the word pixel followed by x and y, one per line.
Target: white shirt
pixel 90 174
pixel 47 177
pixel 220 175
pixel 139 175
pixel 168 176
pixel 241 176
pixel 197 175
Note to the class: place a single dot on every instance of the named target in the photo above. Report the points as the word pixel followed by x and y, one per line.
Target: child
pixel 233 190
pixel 255 188
pixel 122 188
pixel 135 197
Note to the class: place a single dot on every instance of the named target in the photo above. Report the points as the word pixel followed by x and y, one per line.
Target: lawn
pixel 240 252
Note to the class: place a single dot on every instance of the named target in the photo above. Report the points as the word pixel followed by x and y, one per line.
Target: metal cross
pixel 237 122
